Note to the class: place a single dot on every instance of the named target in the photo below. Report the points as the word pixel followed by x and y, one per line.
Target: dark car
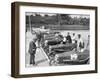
pixel 71 58
pixel 52 39
pixel 67 54
pixel 63 47
pixel 60 53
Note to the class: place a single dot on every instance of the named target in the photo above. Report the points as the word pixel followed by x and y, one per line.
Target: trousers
pixel 32 59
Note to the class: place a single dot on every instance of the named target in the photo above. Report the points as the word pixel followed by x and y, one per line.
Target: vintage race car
pixel 62 47
pixel 52 39
pixel 60 53
pixel 71 57
pixel 67 54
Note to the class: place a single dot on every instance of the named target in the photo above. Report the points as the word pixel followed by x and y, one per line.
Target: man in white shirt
pixel 80 44
pixel 73 38
pixel 64 40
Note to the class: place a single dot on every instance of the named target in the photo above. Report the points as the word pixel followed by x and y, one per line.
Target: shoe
pixel 34 64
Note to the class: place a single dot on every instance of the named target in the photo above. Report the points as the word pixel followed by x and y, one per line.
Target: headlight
pixel 74 56
pixel 56 57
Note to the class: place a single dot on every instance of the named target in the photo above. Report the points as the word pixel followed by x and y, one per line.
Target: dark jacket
pixel 32 48
pixel 68 38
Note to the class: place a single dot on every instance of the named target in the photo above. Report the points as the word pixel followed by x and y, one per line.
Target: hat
pixel 34 37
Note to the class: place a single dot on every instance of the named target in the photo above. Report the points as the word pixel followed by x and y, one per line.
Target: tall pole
pixel 59 19
pixel 30 26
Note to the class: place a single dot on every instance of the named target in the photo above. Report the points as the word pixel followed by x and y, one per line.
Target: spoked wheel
pixel 52 63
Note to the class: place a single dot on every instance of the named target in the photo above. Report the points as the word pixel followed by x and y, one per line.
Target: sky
pixel 72 15
pixel 78 16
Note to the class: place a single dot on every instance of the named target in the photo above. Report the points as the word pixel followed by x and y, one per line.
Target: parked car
pixel 52 39
pixel 71 57
pixel 60 53
pixel 63 47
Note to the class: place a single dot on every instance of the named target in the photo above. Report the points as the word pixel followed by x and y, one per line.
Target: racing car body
pixel 67 54
pixel 63 47
pixel 72 57
pixel 59 53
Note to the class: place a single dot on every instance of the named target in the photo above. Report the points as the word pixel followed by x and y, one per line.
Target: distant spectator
pixel 88 42
pixel 73 38
pixel 68 38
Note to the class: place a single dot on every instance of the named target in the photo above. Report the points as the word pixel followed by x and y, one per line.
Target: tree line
pixel 58 19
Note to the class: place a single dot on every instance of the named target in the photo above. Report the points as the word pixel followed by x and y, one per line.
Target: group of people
pixel 66 39
pixel 77 39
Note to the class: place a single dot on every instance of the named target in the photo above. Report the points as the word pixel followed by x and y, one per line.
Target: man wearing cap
pixel 32 50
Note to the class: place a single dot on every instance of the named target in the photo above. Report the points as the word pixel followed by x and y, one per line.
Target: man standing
pixel 32 50
pixel 88 42
pixel 73 38
pixel 80 44
pixel 40 39
pixel 68 38
pixel 64 40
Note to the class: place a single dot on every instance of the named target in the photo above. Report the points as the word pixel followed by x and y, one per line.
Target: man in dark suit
pixel 32 51
pixel 68 38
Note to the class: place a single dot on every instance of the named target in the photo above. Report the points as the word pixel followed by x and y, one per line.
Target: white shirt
pixel 73 39
pixel 79 41
pixel 64 40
